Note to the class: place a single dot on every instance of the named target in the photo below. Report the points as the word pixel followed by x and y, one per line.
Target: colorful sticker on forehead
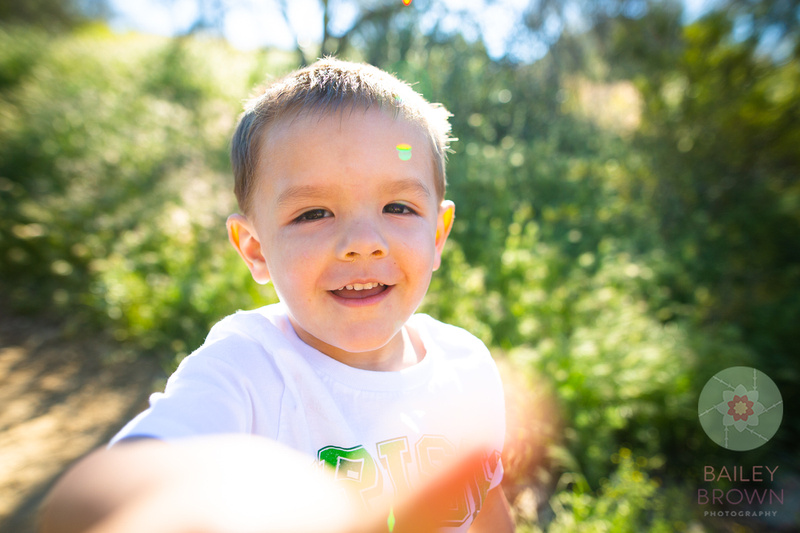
pixel 404 151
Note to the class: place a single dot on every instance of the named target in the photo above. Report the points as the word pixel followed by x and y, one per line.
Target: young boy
pixel 340 177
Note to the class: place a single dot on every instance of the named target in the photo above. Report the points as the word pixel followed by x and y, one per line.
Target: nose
pixel 361 239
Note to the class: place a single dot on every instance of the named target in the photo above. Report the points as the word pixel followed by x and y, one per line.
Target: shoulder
pixel 457 349
pixel 462 360
pixel 447 337
pixel 241 341
pixel 233 383
pixel 255 325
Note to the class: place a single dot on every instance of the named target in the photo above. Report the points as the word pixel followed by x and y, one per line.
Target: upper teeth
pixel 361 286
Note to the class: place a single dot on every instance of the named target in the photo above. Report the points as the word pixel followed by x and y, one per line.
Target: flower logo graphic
pixel 750 406
pixel 738 409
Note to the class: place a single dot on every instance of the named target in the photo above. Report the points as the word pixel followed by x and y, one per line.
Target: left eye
pixel 398 209
pixel 314 214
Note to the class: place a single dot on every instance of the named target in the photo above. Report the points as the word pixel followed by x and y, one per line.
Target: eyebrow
pixel 412 185
pixel 300 193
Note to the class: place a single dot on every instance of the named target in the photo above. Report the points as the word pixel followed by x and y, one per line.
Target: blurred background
pixel 628 192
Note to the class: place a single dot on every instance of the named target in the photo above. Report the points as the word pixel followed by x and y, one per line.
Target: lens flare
pixel 404 151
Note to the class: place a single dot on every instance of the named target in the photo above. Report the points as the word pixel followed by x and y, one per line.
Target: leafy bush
pixel 116 183
pixel 629 501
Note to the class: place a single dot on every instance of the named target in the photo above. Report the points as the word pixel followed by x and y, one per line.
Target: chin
pixel 363 338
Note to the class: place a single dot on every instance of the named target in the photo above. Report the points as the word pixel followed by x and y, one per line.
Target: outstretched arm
pixel 231 484
pixel 211 484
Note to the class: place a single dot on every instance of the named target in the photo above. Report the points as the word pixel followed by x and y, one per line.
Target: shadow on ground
pixel 60 398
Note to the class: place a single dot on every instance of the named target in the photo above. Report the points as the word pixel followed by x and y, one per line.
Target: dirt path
pixel 59 399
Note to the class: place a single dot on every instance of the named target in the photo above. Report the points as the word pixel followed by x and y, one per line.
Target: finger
pixel 426 509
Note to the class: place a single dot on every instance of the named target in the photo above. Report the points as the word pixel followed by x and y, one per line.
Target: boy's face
pixel 336 210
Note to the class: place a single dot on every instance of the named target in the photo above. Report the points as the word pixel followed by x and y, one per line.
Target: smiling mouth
pixel 360 290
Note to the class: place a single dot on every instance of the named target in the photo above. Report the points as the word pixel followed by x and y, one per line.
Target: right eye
pixel 313 214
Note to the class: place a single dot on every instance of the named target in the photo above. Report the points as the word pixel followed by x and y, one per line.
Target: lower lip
pixel 363 302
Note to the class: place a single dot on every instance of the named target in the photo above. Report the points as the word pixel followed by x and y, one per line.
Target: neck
pixel 404 350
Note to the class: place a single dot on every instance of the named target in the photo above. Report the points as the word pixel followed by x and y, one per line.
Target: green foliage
pixel 51 14
pixel 116 185
pixel 720 132
pixel 22 48
pixel 630 501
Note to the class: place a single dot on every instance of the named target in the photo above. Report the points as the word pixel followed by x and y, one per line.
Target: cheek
pixel 416 248
pixel 294 262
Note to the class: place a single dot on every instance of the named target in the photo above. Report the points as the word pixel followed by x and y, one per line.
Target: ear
pixel 243 237
pixel 444 223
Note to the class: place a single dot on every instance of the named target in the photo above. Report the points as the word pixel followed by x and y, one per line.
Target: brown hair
pixel 331 85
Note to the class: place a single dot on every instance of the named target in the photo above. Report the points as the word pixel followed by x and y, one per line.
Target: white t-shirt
pixel 382 431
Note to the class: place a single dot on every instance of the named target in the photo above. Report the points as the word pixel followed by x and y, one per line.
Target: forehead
pixel 341 147
pixel 354 121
